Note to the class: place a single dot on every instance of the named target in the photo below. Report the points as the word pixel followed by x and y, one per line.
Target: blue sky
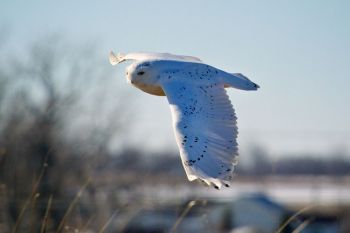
pixel 297 51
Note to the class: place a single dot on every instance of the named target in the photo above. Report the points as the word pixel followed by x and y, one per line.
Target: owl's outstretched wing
pixel 115 59
pixel 205 129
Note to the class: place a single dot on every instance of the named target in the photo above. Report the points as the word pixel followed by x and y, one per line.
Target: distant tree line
pixel 291 164
pixel 299 165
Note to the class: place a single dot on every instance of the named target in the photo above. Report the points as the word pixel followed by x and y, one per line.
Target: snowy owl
pixel 204 120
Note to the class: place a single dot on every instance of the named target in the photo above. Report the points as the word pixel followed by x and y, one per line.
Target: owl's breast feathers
pixel 151 89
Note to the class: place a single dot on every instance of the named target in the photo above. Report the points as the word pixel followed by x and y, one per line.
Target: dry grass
pixel 71 206
pixel 307 208
pixel 31 199
pixel 44 222
pixel 104 227
pixel 183 215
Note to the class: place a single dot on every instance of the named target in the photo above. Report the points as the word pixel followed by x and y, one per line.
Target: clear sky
pixel 297 51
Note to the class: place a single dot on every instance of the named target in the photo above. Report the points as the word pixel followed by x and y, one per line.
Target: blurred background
pixel 82 151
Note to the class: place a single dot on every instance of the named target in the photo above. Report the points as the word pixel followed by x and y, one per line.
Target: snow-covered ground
pixel 288 191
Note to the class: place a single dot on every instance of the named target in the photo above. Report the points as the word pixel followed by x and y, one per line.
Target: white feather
pixel 205 130
pixel 204 120
pixel 150 56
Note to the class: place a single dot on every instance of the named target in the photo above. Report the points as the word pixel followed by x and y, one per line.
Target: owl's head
pixel 142 73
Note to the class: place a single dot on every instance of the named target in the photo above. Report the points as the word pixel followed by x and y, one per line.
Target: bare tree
pixel 51 88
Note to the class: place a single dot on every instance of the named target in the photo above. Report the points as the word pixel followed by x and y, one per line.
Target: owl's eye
pixel 140 73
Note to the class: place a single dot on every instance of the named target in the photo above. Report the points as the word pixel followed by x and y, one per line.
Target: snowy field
pixel 296 191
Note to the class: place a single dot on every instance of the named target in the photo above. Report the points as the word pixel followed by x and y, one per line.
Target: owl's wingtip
pixel 116 59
